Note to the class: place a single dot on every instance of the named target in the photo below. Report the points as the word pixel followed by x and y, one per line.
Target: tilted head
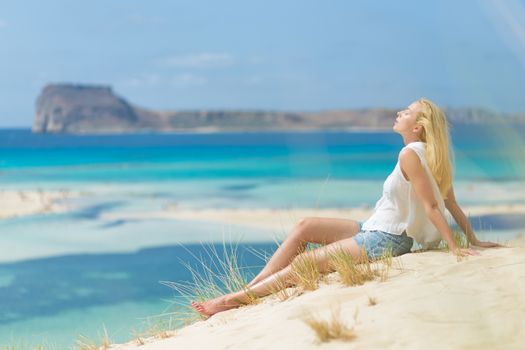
pixel 423 120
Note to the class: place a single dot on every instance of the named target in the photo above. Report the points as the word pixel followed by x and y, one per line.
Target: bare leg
pixel 276 280
pixel 314 230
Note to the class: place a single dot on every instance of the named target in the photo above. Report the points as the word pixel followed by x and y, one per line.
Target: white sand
pixel 21 203
pixel 434 302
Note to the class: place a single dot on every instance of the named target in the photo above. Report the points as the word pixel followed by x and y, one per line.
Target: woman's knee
pixel 302 228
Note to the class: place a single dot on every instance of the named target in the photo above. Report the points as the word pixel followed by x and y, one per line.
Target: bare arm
pixel 417 175
pixel 460 218
pixel 463 222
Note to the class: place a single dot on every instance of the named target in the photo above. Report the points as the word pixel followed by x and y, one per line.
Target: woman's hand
pixel 478 243
pixel 459 252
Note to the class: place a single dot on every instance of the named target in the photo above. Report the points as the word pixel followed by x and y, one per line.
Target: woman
pixel 411 208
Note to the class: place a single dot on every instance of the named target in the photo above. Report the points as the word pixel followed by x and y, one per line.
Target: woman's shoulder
pixel 418 147
pixel 413 147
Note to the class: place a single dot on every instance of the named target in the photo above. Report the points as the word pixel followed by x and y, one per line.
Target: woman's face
pixel 406 119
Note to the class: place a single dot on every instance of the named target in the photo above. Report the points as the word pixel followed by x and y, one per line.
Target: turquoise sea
pixel 74 273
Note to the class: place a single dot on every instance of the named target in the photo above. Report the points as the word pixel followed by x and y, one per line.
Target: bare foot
pixel 213 306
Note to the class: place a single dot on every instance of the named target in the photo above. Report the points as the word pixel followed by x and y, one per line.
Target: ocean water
pixel 67 274
pixel 46 159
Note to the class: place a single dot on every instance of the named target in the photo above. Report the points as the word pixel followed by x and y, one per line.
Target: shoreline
pixel 21 203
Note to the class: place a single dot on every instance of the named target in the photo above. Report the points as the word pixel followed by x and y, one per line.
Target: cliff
pixel 69 108
pixel 81 108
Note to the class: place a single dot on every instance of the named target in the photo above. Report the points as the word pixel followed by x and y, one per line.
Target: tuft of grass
pixel 351 272
pixel 282 290
pixel 161 328
pixel 305 272
pixel 384 264
pixel 460 240
pixel 358 271
pixel 138 338
pixel 372 301
pixel 333 329
pixel 105 342
pixel 216 275
pixel 84 343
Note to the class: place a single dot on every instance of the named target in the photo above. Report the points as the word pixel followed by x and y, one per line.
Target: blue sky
pixel 271 54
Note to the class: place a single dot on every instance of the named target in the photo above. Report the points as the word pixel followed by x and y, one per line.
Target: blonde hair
pixel 435 134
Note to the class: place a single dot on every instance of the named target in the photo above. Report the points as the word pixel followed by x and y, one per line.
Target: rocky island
pixel 88 109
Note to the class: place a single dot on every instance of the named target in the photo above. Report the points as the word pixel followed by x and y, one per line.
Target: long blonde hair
pixel 435 134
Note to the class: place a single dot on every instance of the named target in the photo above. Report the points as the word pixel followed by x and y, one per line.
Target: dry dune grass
pixel 214 276
pixel 282 290
pixel 222 273
pixel 356 272
pixel 84 343
pixel 328 330
pixel 351 272
pixel 305 271
pixel 160 328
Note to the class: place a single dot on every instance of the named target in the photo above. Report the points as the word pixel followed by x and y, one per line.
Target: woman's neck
pixel 406 141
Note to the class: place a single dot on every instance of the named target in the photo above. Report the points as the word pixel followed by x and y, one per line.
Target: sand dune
pixel 433 302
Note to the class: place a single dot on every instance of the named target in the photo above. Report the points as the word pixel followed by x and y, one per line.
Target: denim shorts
pixel 377 242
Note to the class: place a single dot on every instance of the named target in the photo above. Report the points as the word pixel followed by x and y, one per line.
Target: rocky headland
pixel 71 108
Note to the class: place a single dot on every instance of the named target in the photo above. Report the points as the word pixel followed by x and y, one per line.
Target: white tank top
pixel 399 210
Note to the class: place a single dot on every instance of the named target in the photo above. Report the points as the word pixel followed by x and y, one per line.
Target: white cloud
pixel 187 80
pixel 3 24
pixel 144 80
pixel 152 80
pixel 199 60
